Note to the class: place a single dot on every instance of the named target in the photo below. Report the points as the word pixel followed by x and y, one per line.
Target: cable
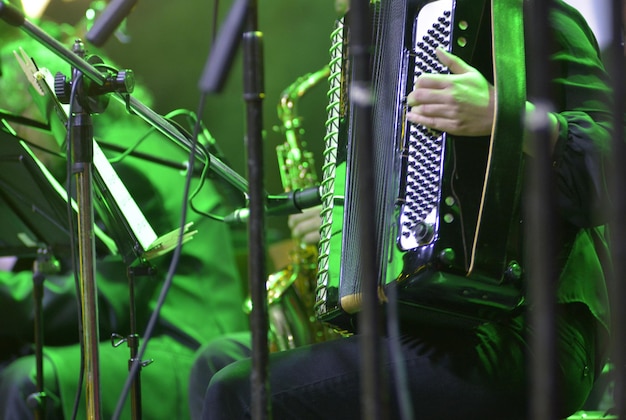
pixel 136 364
pixel 70 218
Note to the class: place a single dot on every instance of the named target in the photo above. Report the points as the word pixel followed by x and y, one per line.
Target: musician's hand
pixel 7 263
pixel 305 226
pixel 461 103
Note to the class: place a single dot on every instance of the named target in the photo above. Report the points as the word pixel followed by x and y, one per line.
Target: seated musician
pixel 478 373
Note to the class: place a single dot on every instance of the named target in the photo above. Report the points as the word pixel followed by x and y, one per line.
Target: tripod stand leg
pixel 133 340
pixel 45 264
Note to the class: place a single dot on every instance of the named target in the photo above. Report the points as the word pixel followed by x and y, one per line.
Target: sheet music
pixel 26 237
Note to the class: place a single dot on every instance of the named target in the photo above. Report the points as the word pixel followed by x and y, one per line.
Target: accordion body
pixel 447 217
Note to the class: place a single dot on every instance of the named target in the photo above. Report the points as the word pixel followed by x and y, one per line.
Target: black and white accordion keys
pixel 424 147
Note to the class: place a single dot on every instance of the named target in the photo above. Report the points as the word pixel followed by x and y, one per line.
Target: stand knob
pixel 124 81
pixel 62 88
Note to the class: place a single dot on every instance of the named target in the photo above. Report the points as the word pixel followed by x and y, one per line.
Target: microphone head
pixel 108 22
pixel 11 14
pixel 238 216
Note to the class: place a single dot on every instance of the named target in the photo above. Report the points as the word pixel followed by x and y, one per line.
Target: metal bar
pixel 540 237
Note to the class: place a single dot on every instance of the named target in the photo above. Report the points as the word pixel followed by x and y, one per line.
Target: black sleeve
pixel 583 104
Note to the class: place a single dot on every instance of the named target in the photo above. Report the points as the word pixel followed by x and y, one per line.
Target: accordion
pixel 446 208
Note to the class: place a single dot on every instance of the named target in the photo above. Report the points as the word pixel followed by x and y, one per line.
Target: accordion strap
pixel 500 201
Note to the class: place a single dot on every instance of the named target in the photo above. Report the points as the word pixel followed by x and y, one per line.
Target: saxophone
pixel 291 291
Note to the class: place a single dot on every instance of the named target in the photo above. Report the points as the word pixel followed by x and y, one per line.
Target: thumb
pixel 451 61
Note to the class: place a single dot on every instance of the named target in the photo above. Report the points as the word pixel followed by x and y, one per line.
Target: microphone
pixel 11 14
pixel 224 48
pixel 109 20
pixel 282 204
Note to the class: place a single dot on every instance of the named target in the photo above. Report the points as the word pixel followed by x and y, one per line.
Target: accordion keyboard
pixel 424 148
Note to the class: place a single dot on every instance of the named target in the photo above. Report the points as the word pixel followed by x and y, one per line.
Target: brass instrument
pixel 291 291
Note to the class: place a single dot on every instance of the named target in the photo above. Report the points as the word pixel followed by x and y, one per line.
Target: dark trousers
pixel 18 387
pixel 447 374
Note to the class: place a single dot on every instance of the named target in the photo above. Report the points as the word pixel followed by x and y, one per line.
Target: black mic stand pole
pixel 243 16
pixel 369 318
pixel 617 224
pixel 253 95
pixel 540 209
pixel 86 98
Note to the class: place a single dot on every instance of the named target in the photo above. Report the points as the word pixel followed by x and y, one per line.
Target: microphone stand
pixel 81 136
pixel 617 224
pixel 253 94
pixel 369 317
pixel 211 81
pixel 540 208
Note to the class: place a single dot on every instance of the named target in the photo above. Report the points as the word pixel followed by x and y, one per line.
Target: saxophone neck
pixel 296 165
pixel 287 106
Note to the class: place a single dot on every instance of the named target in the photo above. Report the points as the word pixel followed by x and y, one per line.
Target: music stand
pixel 132 233
pixel 33 205
pixel 34 214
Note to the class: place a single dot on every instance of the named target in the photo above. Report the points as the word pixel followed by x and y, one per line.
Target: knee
pixel 228 394
pixel 17 384
pixel 208 361
pixel 211 359
pixel 19 376
pixel 18 390
pixel 223 351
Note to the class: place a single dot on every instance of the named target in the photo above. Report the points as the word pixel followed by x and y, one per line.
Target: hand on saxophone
pixel 305 226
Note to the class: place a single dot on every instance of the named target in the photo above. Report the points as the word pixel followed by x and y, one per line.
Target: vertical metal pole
pixel 257 271
pixel 133 339
pixel 244 16
pixel 87 274
pixel 38 288
pixel 540 216
pixel 618 221
pixel 82 167
pixel 369 318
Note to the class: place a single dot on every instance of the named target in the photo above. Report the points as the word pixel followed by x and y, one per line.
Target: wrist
pixel 538 119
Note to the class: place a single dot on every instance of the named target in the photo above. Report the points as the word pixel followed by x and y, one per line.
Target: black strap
pixel 500 208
